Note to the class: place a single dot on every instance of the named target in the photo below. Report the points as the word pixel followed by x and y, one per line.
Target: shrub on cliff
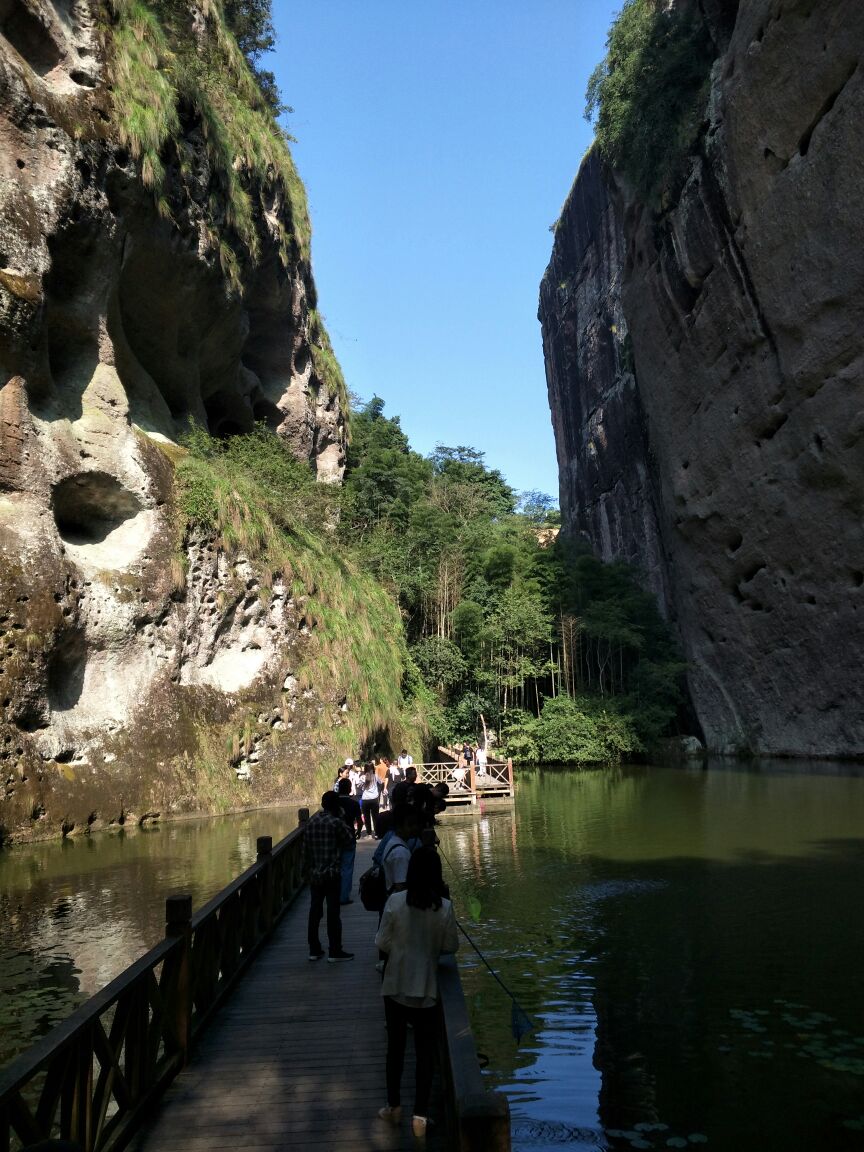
pixel 650 91
pixel 167 71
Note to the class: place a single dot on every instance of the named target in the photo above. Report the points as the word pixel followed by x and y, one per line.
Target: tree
pixel 536 506
pixel 251 21
pixel 440 662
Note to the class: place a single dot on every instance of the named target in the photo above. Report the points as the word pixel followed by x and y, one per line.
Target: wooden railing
pixel 477 1120
pixel 498 775
pixel 93 1078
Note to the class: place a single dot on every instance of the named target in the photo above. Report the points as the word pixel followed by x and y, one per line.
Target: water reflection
pixel 74 914
pixel 689 945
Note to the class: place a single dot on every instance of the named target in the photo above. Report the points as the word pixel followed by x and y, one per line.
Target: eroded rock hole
pixel 228 414
pixel 66 668
pixel 28 36
pixel 266 411
pixel 89 506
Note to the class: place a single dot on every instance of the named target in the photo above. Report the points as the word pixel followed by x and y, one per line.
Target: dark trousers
pixel 370 816
pixel 348 855
pixel 397 1017
pixel 319 892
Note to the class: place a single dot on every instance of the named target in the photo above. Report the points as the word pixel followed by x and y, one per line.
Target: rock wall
pixel 117 325
pixel 704 365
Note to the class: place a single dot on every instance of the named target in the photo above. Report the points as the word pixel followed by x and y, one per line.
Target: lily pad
pixel 697 1138
pixel 676 1142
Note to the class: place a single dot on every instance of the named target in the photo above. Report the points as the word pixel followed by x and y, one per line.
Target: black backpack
pixel 372 885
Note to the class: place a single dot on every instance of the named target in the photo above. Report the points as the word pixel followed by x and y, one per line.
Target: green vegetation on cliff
pixel 257 500
pixel 649 92
pixel 174 70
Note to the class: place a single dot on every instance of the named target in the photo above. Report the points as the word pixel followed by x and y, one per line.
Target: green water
pixel 689 945
pixel 76 913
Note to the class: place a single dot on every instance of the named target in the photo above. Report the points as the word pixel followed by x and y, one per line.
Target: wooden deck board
pixel 295 1059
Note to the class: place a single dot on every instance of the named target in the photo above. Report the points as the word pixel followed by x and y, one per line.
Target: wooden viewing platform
pixel 468 786
pixel 292 1057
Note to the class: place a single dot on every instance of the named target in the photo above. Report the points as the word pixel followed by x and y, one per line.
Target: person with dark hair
pixel 418 925
pixel 370 796
pixel 325 836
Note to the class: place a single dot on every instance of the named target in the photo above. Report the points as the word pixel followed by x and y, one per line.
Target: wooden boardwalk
pixel 295 1058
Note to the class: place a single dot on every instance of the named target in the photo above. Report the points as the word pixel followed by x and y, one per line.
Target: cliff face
pixel 705 364
pixel 123 313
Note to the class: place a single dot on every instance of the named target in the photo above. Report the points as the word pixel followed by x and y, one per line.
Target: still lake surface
pixel 688 944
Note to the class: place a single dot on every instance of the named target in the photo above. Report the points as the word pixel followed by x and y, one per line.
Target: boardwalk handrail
pixel 93 1077
pixel 478 1120
pixel 498 776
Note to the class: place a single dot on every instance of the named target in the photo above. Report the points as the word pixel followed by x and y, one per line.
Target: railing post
pixel 264 845
pixel 178 926
pixel 510 774
pixel 472 779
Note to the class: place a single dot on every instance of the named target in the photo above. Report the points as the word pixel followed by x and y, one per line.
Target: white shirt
pixel 396 857
pixel 405 762
pixel 413 939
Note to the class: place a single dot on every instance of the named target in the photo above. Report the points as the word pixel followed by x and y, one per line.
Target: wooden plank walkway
pixel 295 1058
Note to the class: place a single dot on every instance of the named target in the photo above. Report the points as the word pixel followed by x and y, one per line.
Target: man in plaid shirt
pixel 326 835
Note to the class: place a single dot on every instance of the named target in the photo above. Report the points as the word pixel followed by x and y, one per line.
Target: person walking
pixel 418 925
pixel 370 796
pixel 325 836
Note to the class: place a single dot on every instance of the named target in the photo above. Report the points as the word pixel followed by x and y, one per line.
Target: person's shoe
pixel 420 1125
pixel 392 1115
pixel 316 955
pixel 335 957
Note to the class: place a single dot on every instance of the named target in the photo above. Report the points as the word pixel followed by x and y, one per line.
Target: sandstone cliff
pixel 142 284
pixel 704 362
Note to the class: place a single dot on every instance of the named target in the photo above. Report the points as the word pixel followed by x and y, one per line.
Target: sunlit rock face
pixel 116 327
pixel 704 367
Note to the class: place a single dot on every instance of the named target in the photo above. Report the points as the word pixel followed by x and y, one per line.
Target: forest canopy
pixel 562 657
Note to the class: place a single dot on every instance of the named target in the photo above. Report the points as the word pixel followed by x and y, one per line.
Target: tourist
pixel 355 776
pixel 396 774
pixel 405 761
pixel 417 926
pixel 397 851
pixel 353 818
pixel 481 759
pixel 342 774
pixel 370 797
pixel 467 754
pixel 325 836
pixel 382 773
pixel 410 776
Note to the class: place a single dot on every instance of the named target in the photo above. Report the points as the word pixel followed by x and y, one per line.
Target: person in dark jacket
pixel 325 836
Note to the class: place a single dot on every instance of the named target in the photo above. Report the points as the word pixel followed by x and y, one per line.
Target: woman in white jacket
pixel 417 926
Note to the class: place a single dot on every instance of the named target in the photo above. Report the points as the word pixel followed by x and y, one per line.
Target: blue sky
pixel 437 141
